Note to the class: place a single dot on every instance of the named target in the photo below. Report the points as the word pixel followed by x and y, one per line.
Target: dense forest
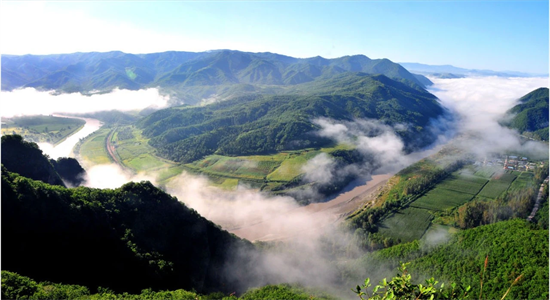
pixel 136 232
pixel 187 76
pixel 263 124
pixel 530 116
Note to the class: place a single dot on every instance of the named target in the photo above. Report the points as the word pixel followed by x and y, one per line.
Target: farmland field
pixel 93 151
pixel 407 224
pixel 497 185
pixel 134 152
pixel 439 199
pixel 292 166
pixel 48 129
pixel 524 180
pixel 463 183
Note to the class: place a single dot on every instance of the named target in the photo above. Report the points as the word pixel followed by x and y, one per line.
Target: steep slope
pixel 265 124
pixel 26 159
pixel 530 116
pixel 513 247
pixel 126 239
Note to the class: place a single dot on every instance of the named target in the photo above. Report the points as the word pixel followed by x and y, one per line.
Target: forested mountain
pixel 26 159
pixel 187 74
pixel 126 239
pixel 530 116
pixel 259 124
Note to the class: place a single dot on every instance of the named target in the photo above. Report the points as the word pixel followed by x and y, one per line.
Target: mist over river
pixel 64 149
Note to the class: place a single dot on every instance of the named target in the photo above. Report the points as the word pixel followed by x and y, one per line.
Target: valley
pixel 319 182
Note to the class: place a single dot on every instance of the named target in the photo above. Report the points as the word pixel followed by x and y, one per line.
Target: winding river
pixel 65 148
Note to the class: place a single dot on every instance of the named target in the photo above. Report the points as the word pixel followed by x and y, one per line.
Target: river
pixel 65 148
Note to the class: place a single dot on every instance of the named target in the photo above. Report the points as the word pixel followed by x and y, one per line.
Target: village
pixel 511 162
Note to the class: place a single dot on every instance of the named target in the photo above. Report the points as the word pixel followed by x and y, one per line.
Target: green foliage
pixel 266 124
pixel 188 76
pixel 136 232
pixel 15 286
pixel 70 170
pixel 514 248
pixel 401 287
pixel 26 159
pixel 531 114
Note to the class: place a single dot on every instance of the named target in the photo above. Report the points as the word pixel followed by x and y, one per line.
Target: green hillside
pixel 263 124
pixel 530 116
pixel 26 158
pixel 190 77
pixel 95 237
pixel 513 248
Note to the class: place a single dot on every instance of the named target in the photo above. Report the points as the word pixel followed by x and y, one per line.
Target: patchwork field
pixel 467 184
pixel 406 225
pixel 440 199
pixel 266 171
pixel 497 185
pixel 38 129
pixel 134 152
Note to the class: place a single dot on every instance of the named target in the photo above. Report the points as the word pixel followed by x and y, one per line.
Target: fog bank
pixel 29 101
pixel 479 103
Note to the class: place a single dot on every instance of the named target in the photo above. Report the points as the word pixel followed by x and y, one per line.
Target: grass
pixel 292 166
pixel 135 153
pixel 406 225
pixel 230 184
pixel 440 199
pixel 93 151
pixel 38 129
pixel 523 181
pixel 463 183
pixel 497 185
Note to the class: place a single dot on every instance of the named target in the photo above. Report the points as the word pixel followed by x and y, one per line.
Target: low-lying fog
pixel 29 101
pixel 477 103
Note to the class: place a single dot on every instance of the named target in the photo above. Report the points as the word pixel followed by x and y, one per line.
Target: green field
pixel 92 150
pixel 497 185
pixel 463 184
pixel 523 181
pixel 252 167
pixel 291 166
pixel 135 153
pixel 440 199
pixel 39 129
pixel 406 225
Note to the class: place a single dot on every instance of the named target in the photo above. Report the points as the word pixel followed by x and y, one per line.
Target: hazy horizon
pixel 491 35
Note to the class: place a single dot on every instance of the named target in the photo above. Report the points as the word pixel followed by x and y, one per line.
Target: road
pixel 537 203
pixel 111 149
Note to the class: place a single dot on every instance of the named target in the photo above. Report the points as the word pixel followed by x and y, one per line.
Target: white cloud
pixel 111 176
pixel 32 102
pixel 479 102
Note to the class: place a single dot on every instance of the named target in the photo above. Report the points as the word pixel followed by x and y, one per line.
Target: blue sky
pixel 496 35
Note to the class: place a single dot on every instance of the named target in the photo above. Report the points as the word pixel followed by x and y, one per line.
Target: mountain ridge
pixel 179 72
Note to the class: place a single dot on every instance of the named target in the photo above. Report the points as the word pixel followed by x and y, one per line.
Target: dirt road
pixel 537 203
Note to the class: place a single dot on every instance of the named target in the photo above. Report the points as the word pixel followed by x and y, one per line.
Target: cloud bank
pixel 479 103
pixel 29 101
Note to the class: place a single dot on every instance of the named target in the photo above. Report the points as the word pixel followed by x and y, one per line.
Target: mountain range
pixel 448 71
pixel 189 76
